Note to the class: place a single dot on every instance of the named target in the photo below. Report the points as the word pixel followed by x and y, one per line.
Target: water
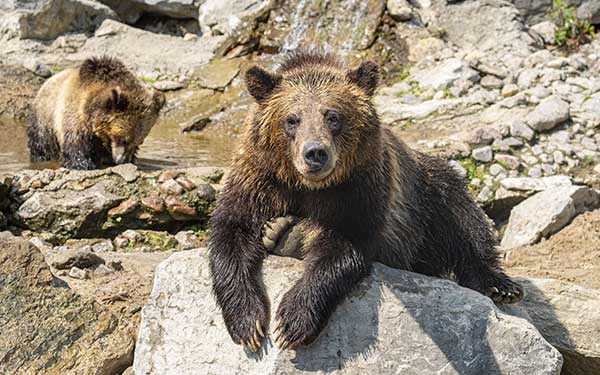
pixel 165 147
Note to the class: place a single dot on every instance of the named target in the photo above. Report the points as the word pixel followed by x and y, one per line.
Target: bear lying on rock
pixel 316 150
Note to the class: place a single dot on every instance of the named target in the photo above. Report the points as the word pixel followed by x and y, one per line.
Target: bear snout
pixel 316 155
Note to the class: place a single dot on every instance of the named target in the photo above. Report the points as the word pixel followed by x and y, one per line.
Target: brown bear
pixel 90 116
pixel 316 150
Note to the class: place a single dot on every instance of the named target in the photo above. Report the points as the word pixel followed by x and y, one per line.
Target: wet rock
pixel 217 74
pixel 70 334
pixel 180 210
pixel 47 19
pixel 126 207
pixel 400 10
pixel 410 323
pixel 67 259
pixel 565 314
pixel 129 172
pixel 551 112
pixel 68 213
pixel 171 187
pixel 483 154
pixel 153 202
pixel 207 192
pixel 546 213
pixel 443 75
pixel 186 183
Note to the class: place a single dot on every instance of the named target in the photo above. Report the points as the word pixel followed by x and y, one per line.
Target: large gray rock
pixel 394 322
pixel 567 316
pixel 49 329
pixel 535 11
pixel 443 75
pixel 551 111
pixel 131 10
pixel 39 19
pixel 546 213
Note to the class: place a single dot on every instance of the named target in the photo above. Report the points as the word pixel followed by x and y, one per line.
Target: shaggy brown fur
pixel 96 114
pixel 364 197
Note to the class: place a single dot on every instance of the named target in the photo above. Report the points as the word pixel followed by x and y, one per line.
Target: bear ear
pixel 261 83
pixel 366 76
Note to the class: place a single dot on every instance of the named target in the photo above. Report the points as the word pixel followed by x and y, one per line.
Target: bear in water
pixel 90 116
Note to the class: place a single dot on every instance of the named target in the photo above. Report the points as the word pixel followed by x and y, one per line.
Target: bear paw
pixel 247 328
pixel 503 290
pixel 274 229
pixel 296 324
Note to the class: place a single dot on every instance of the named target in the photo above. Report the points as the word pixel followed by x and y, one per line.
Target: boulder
pixel 400 10
pixel 546 213
pixel 551 111
pixel 47 19
pixel 131 10
pixel 76 204
pixel 567 316
pixel 49 329
pixel 443 76
pixel 409 323
pixel 535 184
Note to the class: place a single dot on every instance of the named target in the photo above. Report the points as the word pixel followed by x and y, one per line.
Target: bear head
pixel 315 122
pixel 120 110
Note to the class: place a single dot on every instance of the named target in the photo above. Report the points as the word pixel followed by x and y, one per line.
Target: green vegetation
pixel 149 80
pixel 570 31
pixel 472 168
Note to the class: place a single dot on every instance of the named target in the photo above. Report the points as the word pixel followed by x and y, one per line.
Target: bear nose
pixel 315 155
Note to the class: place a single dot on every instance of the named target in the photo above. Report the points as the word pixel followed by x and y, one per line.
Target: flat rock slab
pixel 49 329
pixel 394 322
pixel 567 316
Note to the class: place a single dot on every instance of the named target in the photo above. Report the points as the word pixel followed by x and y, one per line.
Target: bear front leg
pixel 236 255
pixel 77 151
pixel 333 266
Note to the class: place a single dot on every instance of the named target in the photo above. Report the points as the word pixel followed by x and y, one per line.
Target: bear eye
pixel 333 120
pixel 291 123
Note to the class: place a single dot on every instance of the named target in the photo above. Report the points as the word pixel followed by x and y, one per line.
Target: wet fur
pixel 78 110
pixel 384 202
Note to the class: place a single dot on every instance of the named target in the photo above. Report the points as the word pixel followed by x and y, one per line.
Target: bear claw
pixel 505 293
pixel 275 228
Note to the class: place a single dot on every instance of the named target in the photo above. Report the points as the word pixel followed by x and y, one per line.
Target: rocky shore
pixel 104 272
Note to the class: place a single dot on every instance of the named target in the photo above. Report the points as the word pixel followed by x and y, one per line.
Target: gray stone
pixel 496 169
pixel 483 154
pixel 400 10
pixel 491 82
pixel 551 112
pixel 103 246
pixel 78 273
pixel 521 130
pixel 131 10
pixel 37 68
pixel 546 30
pixel 128 171
pixel 410 323
pixel 511 162
pixel 546 213
pixel 589 10
pixel 443 75
pixel 566 315
pixel 67 259
pixel 536 184
pixel 509 90
pixel 47 19
pixel 168 85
